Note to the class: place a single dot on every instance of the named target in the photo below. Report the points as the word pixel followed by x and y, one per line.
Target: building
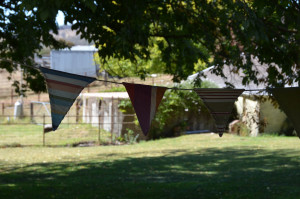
pixel 77 60
pixel 254 108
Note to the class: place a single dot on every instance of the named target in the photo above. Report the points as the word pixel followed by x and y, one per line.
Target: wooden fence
pixel 37 114
pixel 44 122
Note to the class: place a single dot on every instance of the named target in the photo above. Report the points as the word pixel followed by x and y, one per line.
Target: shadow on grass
pixel 209 173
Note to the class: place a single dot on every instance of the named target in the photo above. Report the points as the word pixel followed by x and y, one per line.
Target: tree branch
pixel 296 3
pixel 171 35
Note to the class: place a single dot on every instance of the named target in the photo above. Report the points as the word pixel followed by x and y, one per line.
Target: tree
pixel 230 32
pixel 22 33
pixel 207 31
pixel 140 67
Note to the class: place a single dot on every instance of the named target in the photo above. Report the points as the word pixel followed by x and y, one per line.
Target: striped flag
pixel 145 100
pixel 220 104
pixel 63 89
pixel 288 100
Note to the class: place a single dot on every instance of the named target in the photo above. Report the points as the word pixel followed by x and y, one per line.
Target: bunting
pixel 145 100
pixel 220 103
pixel 63 89
pixel 288 100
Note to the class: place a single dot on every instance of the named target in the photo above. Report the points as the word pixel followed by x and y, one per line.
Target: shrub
pixel 130 137
pixel 239 128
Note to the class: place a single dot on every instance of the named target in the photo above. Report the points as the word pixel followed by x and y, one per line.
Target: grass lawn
pixel 32 135
pixel 192 166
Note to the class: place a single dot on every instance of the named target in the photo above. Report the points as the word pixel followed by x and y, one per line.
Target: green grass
pixel 32 135
pixel 193 166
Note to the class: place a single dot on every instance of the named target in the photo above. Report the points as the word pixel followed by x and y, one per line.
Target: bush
pixel 238 127
pixel 130 137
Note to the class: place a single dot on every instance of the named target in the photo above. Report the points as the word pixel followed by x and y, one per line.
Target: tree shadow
pixel 209 173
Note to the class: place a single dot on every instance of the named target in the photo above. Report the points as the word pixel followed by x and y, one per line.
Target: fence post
pixel 112 119
pixel 99 129
pixel 11 96
pixel 3 108
pixel 77 111
pixel 118 117
pixel 105 78
pixel 44 130
pixel 31 111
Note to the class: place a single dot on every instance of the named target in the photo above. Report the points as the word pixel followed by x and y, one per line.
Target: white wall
pixel 254 113
pixel 273 117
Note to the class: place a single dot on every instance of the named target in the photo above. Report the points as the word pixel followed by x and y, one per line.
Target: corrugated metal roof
pixel 80 48
pixel 236 78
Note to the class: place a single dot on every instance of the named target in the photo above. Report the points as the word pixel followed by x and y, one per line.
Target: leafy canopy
pixel 24 32
pixel 212 32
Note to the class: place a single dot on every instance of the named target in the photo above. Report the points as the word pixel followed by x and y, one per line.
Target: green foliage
pixel 172 36
pixel 25 31
pixel 141 67
pixel 175 110
pixel 189 32
pixel 129 137
pixel 125 106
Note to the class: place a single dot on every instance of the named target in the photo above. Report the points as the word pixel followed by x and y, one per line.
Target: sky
pixel 60 18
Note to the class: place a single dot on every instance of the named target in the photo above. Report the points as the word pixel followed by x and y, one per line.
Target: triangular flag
pixel 288 100
pixel 145 100
pixel 220 103
pixel 63 89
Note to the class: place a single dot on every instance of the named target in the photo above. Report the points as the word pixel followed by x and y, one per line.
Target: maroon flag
pixel 145 100
pixel 220 104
